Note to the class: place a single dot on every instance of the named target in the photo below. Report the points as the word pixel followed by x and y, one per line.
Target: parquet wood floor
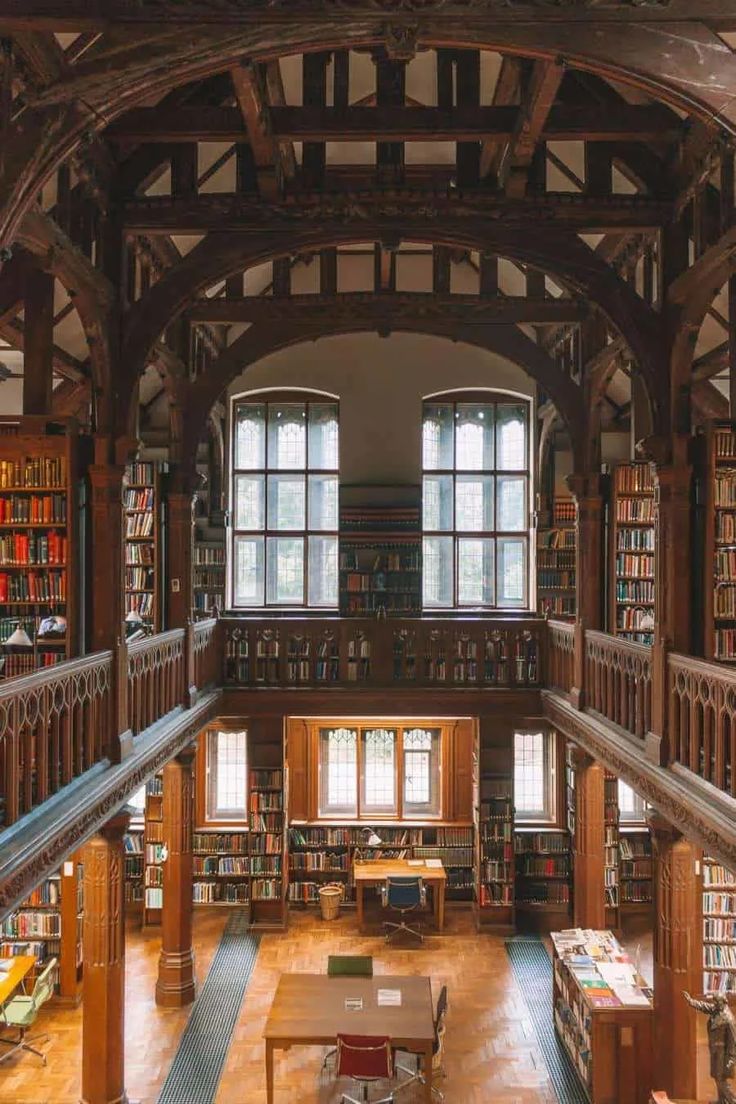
pixel 492 1056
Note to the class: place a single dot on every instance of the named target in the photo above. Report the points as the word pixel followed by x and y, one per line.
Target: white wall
pixel 381 383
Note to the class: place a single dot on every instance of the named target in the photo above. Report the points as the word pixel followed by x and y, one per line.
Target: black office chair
pixel 438 1052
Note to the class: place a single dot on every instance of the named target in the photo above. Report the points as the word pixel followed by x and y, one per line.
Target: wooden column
pixel 590 843
pixel 175 985
pixel 180 522
pixel 103 1017
pixel 586 490
pixel 107 554
pixel 678 958
pixel 38 332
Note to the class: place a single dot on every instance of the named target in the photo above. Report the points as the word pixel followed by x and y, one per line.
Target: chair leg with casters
pixel 23 1042
pixel 347 1099
pixel 393 929
pixel 416 1077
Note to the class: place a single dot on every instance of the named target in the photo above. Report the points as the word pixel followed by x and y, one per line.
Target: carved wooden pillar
pixel 107 554
pixel 586 490
pixel 175 985
pixel 590 843
pixel 180 520
pixel 678 958
pixel 103 1018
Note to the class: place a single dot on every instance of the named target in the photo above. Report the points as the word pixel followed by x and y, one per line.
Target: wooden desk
pixel 309 1010
pixel 375 872
pixel 16 975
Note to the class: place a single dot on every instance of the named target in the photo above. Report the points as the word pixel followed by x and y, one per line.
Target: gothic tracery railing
pixel 560 655
pixel 618 681
pixel 701 699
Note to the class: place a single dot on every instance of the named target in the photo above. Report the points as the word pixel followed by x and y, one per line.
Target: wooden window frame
pixel 553 781
pixel 494 399
pixel 267 399
pixel 202 822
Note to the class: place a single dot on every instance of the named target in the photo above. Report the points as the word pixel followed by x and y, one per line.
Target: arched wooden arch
pixel 505 341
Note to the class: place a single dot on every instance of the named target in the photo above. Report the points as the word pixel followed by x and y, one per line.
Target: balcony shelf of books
pixel 632 531
pixel 719 928
pixel 556 561
pixel 380 560
pixel 720 544
pixel 142 509
pixel 38 551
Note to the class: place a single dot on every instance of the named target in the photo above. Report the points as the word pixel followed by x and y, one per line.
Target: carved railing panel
pixel 206 653
pixel 463 652
pixel 560 655
pixel 702 719
pixel 618 681
pixel 54 725
pixel 155 678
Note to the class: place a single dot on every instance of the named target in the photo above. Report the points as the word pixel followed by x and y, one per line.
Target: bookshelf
pixel 48 925
pixel 38 550
pixel 612 856
pixel 220 868
pixel 636 871
pixel 632 529
pixel 495 897
pixel 543 873
pixel 267 838
pixel 720 536
pixel 719 928
pixel 380 560
pixel 153 875
pixel 142 504
pixel 208 568
pixel 133 847
pixel 556 561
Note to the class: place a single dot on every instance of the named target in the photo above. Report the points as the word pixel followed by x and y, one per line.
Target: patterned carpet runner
pixel 533 970
pixel 198 1063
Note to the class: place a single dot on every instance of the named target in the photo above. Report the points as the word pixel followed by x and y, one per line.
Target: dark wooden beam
pixel 250 92
pixel 539 95
pixel 65 365
pixel 507 92
pixel 471 309
pixel 38 327
pixel 179 124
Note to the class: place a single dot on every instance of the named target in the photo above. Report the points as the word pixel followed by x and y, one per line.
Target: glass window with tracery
pixel 284 498
pixel 338 766
pixel 632 807
pixel 422 771
pixel 534 777
pixel 227 776
pixel 379 771
pixel 476 496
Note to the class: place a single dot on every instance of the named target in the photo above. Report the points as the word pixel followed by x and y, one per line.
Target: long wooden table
pixel 16 975
pixel 309 1010
pixel 375 871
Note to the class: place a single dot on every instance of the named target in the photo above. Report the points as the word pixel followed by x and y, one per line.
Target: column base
pixel 175 985
pixel 124 1099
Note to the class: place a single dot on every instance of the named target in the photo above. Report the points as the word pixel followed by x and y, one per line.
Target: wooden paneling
pixel 463 738
pixel 297 761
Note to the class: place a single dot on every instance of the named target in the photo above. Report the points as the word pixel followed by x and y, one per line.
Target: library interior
pixel 367 551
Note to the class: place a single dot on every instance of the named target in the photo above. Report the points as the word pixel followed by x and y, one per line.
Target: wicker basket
pixel 330 896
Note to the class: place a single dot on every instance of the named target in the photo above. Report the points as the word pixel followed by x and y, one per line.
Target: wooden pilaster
pixel 678 958
pixel 107 554
pixel 590 842
pixel 38 331
pixel 175 985
pixel 586 490
pixel 180 520
pixel 103 1018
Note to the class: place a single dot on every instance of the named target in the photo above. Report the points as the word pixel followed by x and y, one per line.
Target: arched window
pixel 476 495
pixel 284 495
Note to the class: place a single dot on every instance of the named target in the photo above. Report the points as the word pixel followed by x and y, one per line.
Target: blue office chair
pixel 404 895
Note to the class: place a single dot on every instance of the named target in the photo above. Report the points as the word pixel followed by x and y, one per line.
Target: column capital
pixel 585 487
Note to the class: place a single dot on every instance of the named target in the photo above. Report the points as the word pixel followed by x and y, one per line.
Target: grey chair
pixel 416 1075
pixel 403 895
pixel 21 1013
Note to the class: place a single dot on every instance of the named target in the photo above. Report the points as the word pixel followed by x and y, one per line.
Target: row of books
pixel 725 488
pixel 726 527
pixel 139 578
pixel 207 556
pixel 719 954
pixel 495 895
pixel 725 564
pixel 224 865
pixel 719 903
pixel 220 841
pixel 140 472
pixel 266 889
pixel 33 587
pixel 15 665
pixel 718 929
pixel 265 864
pixel 716 875
pixel 635 847
pixel 636 868
pixel 634 591
pixel 209 893
pixel 33 509
pixel 636 510
pixel 539 866
pixel 319 860
pixel 23 924
pixel 455 856
pixel 724 442
pixel 635 618
pixel 637 540
pixel 208 578
pixel 389 561
pixel 36 471
pixel 263 801
pixel 636 893
pixel 139 525
pixel 153 876
pixel 558 539
pixel 556 558
pixel 265 779
pixel 724 601
pixel 140 603
pixel 139 500
pixel 556 580
pixel 636 566
pixel 719 981
pixel 136 554
pixel 542 843
pixel 543 893
pixel 633 478
pixel 266 822
pixel 266 843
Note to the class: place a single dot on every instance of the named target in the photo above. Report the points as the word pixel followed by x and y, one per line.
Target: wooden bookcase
pixel 208 568
pixel 142 503
pixel 719 928
pixel 134 864
pixel 49 925
pixel 543 889
pixel 720 543
pixel 556 561
pixel 380 560
pixel 495 842
pixel 221 868
pixel 39 554
pixel 632 553
pixel 153 875
pixel 612 856
pixel 636 871
pixel 609 1043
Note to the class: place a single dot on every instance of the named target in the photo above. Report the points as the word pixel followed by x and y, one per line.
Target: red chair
pixel 365 1058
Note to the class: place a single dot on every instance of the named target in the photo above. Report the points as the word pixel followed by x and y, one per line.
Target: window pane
pixel 250 436
pixel 437 434
pixel 226 765
pixel 286 502
pixel 323 437
pixel 322 502
pixel 323 578
pixel 249 502
pixel 421 771
pixel 287 436
pixel 437 502
pixel 474 422
pixel 338 763
pixel 437 571
pixel 512 572
pixel 474 503
pixel 474 571
pixel 285 570
pixel 248 585
pixel 531 782
pixel 511 492
pixel 511 438
pixel 631 806
pixel 379 770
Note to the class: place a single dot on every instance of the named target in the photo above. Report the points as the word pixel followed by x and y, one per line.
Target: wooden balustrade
pixel 206 653
pixel 701 700
pixel 54 724
pixel 560 655
pixel 156 681
pixel 464 652
pixel 618 681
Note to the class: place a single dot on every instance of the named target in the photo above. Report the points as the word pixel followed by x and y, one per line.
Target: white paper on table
pixel 617 974
pixel 389 998
pixel 435 864
pixel 415 862
pixel 631 995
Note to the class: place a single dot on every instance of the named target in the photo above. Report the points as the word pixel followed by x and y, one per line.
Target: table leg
pixel 359 904
pixel 441 906
pixel 427 1071
pixel 269 1072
